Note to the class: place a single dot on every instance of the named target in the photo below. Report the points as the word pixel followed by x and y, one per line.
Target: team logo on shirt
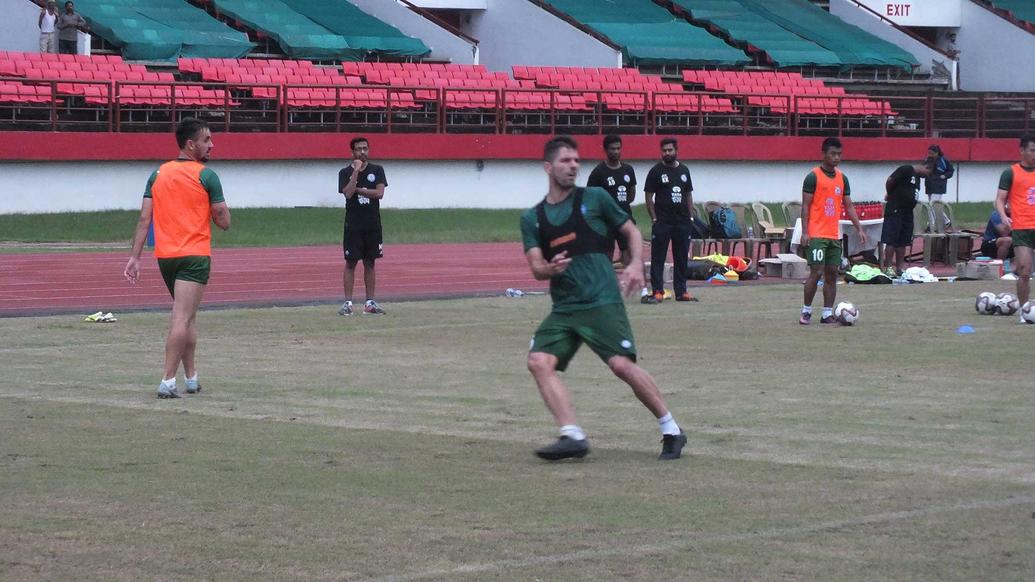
pixel 677 194
pixel 626 178
pixel 371 177
pixel 623 194
pixel 583 209
pixel 626 344
pixel 1031 196
pixel 682 177
pixel 837 190
pixel 664 178
pixel 610 180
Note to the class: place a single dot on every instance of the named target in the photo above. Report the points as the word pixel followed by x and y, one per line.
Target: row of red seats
pixel 15 92
pixel 788 84
pixel 55 57
pixel 526 72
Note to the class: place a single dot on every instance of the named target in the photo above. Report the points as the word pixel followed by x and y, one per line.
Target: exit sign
pixel 941 13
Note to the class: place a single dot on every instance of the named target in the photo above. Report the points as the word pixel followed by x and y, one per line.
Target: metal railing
pixel 133 106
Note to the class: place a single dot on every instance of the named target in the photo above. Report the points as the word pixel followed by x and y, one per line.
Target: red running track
pixel 49 283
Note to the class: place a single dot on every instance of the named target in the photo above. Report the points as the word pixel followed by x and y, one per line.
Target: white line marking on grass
pixel 689 541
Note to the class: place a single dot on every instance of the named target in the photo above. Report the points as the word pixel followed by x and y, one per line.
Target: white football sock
pixel 573 432
pixel 668 425
pixel 169 382
pixel 828 311
pixel 806 309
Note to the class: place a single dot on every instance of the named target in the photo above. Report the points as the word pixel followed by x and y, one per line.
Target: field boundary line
pixel 692 540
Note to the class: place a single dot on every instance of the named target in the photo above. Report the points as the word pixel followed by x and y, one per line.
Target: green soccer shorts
pixel 604 329
pixel 1024 237
pixel 824 251
pixel 194 268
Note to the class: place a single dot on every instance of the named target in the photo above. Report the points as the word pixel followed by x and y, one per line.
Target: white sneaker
pixel 346 308
pixel 373 308
pixel 193 386
pixel 167 392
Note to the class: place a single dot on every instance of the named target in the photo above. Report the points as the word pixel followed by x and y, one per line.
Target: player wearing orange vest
pixel 1017 189
pixel 180 199
pixel 823 195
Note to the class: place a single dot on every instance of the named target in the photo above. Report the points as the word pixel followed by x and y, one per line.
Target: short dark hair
pixel 935 148
pixel 356 140
pixel 670 140
pixel 610 139
pixel 554 145
pixel 831 142
pixel 188 129
pixel 1027 139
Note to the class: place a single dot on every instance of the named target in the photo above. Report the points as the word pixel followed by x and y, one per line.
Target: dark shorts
pixel 360 244
pixel 898 228
pixel 1024 237
pixel 68 47
pixel 194 268
pixel 824 251
pixel 990 249
pixel 604 329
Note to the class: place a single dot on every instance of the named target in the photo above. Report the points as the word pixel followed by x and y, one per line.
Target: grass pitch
pixel 399 447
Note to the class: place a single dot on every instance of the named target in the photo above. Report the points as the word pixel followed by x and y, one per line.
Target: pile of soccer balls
pixel 989 303
pixel 846 313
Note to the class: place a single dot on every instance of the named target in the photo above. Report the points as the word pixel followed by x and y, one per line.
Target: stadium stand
pixel 156 30
pixel 766 89
pixel 1017 10
pixel 649 34
pixel 361 30
pixel 629 85
pixel 755 33
pixel 854 46
pixel 326 30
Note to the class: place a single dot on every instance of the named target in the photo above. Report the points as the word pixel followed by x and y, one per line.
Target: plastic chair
pixel 942 213
pixel 766 229
pixel 791 212
pixel 923 229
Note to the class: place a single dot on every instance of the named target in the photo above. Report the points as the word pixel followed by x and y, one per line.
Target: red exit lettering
pixel 898 9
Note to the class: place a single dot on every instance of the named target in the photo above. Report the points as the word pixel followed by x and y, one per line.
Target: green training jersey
pixel 589 281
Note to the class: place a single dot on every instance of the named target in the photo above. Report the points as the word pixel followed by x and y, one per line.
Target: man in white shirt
pixel 48 29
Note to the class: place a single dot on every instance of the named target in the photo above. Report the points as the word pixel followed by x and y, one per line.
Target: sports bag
pixel 724 224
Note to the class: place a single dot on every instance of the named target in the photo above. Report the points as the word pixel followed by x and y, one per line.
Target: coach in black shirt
pixel 363 185
pixel 619 180
pixel 897 232
pixel 669 196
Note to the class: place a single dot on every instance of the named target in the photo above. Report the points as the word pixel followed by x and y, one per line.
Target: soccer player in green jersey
pixel 568 240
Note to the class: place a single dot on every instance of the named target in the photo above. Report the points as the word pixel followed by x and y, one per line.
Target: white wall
pixel 76 186
pixel 517 32
pixel 444 45
pixel 19 28
pixel 995 55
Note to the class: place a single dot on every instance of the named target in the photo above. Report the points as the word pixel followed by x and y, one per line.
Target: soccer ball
pixel 1006 304
pixel 1028 312
pixel 846 313
pixel 986 303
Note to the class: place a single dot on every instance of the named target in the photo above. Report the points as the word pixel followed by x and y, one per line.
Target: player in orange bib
pixel 823 195
pixel 180 199
pixel 1017 189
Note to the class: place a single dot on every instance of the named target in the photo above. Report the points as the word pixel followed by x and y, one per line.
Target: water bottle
pixel 751 232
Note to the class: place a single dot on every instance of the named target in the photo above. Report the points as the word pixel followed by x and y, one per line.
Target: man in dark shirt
pixel 900 199
pixel 669 197
pixel 619 180
pixel 363 184
pixel 996 242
